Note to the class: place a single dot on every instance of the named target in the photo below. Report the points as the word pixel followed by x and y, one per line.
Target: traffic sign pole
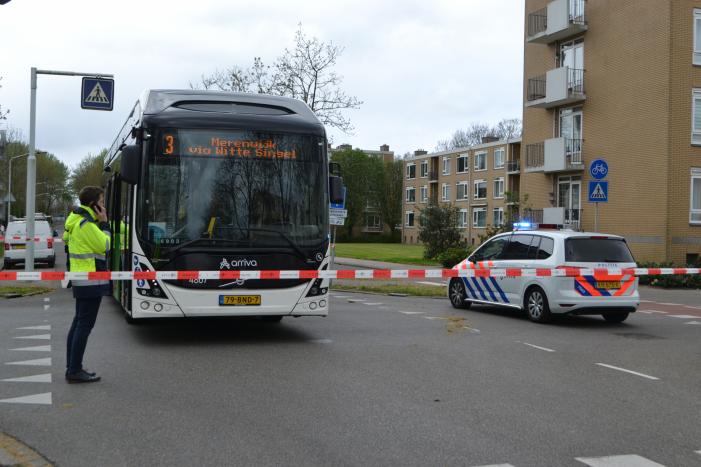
pixel 31 160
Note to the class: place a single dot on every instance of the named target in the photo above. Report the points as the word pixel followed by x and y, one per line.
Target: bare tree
pixel 304 72
pixel 3 114
pixel 472 136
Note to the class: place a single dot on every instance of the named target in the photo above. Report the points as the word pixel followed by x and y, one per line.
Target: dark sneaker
pixel 91 373
pixel 82 377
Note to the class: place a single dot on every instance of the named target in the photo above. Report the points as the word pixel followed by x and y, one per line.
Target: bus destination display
pixel 197 143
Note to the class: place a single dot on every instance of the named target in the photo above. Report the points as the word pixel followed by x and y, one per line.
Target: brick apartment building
pixel 618 80
pixel 474 179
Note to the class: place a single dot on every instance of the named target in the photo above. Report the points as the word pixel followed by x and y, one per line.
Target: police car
pixel 612 296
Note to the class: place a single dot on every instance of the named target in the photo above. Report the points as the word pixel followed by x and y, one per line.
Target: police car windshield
pixel 263 189
pixel 597 250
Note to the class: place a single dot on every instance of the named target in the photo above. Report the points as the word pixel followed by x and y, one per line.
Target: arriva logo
pixel 235 263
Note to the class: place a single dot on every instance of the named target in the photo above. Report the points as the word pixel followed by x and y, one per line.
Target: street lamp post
pixel 9 182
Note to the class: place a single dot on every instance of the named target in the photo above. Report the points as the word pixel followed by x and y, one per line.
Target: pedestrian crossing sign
pixel 97 94
pixel 598 192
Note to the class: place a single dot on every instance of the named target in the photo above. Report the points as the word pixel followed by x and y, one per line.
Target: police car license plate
pixel 608 284
pixel 19 247
pixel 239 300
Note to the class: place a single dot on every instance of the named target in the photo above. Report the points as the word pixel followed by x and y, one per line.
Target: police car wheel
pixel 615 317
pixel 456 293
pixel 536 304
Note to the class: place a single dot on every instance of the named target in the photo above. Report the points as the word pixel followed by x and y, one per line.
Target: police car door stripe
pixel 499 289
pixel 469 287
pixel 475 282
pixel 489 289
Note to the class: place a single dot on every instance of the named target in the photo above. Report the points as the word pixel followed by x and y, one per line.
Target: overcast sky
pixel 423 69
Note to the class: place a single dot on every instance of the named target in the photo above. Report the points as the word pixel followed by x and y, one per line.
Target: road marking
pixel 47 299
pixel 653 311
pixel 496 465
pixel 44 398
pixel 627 371
pixel 472 330
pixel 669 304
pixel 46 307
pixel 412 312
pixel 435 317
pixel 645 311
pixel 538 347
pixel 36 348
pixel 41 337
pixel 697 452
pixel 320 341
pixel 45 378
pixel 693 322
pixel 693 307
pixel 683 316
pixel 341 296
pixel 372 304
pixel 630 460
pixel 43 327
pixel 36 362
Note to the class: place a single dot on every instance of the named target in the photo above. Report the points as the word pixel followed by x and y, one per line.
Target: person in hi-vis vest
pixel 88 235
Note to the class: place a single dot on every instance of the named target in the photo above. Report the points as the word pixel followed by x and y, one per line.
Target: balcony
pixel 560 20
pixel 513 167
pixel 568 218
pixel 558 87
pixel 433 176
pixel 555 155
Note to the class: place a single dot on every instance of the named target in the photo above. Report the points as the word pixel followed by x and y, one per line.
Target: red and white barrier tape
pixel 342 274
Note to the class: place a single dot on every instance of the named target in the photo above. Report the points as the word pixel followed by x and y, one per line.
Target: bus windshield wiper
pixel 286 237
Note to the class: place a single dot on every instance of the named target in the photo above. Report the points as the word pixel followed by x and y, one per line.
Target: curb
pixel 15 453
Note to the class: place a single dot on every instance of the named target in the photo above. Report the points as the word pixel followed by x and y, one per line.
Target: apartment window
pixel 696 117
pixel 446 166
pixel 462 218
pixel 411 195
pixel 697 37
pixel 498 214
pixel 411 171
pixel 499 158
pixel 695 214
pixel 409 219
pixel 462 191
pixel 479 218
pixel 445 192
pixel 372 222
pixel 480 189
pixel 498 187
pixel 481 161
pixel 462 163
pixel 423 193
pixel 424 169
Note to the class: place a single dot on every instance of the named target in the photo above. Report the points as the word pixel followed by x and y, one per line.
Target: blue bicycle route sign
pixel 598 169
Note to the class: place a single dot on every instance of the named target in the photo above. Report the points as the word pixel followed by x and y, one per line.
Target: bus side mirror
pixel 335 169
pixel 336 190
pixel 130 164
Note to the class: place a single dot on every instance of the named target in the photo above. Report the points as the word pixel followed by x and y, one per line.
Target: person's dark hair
pixel 90 195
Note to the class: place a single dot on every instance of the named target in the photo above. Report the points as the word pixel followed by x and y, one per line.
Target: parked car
pixel 16 243
pixel 612 296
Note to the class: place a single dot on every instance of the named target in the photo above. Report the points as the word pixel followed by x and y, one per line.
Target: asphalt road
pixel 381 381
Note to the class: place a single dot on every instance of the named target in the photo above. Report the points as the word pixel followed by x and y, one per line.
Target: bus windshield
pixel 240 188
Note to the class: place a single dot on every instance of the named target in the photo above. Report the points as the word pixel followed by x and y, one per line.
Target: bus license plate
pixel 608 285
pixel 239 300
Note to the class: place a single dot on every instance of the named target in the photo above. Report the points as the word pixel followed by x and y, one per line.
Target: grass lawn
pixel 23 290
pixel 409 289
pixel 390 252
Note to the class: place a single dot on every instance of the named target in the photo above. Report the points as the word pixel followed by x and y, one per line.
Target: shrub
pixel 687 281
pixel 453 256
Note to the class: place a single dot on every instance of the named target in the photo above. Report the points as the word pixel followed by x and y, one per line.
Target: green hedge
pixel 688 281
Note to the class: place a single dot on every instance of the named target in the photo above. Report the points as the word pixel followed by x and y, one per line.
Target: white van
pixel 16 243
pixel 613 297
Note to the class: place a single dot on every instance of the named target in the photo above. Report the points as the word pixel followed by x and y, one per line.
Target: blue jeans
pixel 83 322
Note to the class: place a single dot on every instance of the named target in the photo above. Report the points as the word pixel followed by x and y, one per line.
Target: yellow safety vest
pixel 88 244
